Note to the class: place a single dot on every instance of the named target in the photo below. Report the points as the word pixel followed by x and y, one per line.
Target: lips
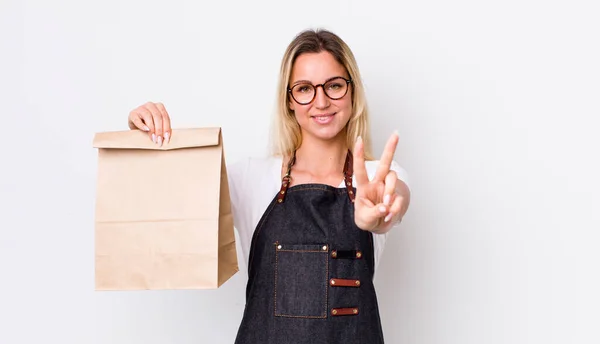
pixel 323 118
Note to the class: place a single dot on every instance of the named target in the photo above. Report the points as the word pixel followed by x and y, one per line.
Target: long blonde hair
pixel 286 132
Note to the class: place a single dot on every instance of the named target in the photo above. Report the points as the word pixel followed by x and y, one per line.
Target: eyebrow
pixel 308 82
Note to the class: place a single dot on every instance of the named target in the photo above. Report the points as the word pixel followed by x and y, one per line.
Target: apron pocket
pixel 301 277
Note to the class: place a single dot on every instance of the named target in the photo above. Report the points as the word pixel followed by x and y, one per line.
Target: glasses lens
pixel 303 93
pixel 336 88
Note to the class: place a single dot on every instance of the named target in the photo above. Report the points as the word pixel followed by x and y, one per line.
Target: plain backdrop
pixel 496 103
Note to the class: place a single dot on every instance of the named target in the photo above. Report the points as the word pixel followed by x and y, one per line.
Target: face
pixel 323 118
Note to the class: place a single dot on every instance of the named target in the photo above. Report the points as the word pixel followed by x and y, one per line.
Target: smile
pixel 323 118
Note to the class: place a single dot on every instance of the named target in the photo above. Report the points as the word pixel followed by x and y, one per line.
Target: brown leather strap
pixel 285 181
pixel 348 171
pixel 344 311
pixel 341 282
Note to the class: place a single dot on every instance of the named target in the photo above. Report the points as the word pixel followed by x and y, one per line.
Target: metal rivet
pixel 334 254
pixel 325 248
pixel 358 254
pixel 357 282
pixel 332 282
pixel 355 311
pixel 334 312
pixel 282 192
pixel 280 200
pixel 279 247
pixel 350 192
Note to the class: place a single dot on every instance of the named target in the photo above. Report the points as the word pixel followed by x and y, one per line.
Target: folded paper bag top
pixel 137 139
pixel 163 213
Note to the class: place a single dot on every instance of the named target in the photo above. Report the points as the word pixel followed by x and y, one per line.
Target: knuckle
pixel 134 114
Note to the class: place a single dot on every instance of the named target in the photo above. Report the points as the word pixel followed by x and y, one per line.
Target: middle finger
pixel 386 158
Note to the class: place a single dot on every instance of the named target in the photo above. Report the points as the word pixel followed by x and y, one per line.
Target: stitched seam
pixel 324 316
pixel 326 285
pixel 303 316
pixel 305 251
pixel 276 275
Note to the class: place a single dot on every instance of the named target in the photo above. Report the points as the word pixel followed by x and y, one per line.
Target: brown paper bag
pixel 163 214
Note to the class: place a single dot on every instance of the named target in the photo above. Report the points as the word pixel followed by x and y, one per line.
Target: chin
pixel 326 134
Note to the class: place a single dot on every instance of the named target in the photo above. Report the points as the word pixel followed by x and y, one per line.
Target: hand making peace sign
pixel 381 202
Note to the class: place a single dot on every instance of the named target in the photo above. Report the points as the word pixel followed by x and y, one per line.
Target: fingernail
pixel 386 199
pixel 146 128
pixel 382 209
pixel 388 217
pixel 396 132
pixel 153 137
pixel 160 141
pixel 167 136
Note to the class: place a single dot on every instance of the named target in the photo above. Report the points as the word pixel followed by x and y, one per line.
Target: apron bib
pixel 310 270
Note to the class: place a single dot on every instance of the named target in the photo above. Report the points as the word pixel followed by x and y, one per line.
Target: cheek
pixel 346 106
pixel 300 111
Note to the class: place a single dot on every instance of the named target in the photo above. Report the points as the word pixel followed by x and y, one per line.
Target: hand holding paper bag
pixel 154 119
pixel 163 215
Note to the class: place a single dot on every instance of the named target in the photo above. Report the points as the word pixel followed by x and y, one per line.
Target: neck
pixel 322 158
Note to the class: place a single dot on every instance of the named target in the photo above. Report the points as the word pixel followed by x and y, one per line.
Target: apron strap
pixel 348 171
pixel 285 181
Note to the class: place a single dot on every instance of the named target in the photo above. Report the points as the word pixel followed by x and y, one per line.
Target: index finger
pixel 358 163
pixel 386 158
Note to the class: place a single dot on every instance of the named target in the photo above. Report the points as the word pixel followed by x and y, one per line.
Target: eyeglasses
pixel 304 93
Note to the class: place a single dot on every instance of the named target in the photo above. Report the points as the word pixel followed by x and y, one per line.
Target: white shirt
pixel 253 184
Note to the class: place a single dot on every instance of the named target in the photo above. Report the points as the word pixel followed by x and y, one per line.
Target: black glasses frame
pixel 348 82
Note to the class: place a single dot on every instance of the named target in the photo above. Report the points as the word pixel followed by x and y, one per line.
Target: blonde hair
pixel 286 132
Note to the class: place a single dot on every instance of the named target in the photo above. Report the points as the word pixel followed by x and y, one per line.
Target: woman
pixel 313 218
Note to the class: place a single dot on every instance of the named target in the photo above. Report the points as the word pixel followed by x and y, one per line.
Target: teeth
pixel 323 119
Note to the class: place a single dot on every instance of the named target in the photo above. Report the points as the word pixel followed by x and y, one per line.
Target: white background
pixel 496 103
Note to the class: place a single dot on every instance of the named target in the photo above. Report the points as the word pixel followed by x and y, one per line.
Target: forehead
pixel 316 67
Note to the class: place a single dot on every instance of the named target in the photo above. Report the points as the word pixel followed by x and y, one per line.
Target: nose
pixel 321 99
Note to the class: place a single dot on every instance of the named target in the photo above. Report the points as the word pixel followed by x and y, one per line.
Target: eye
pixel 303 88
pixel 334 86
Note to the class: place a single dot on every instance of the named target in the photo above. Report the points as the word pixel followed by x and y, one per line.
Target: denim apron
pixel 310 270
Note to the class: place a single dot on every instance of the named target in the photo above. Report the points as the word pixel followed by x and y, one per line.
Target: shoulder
pixel 250 174
pixel 372 166
pixel 253 181
pixel 251 166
